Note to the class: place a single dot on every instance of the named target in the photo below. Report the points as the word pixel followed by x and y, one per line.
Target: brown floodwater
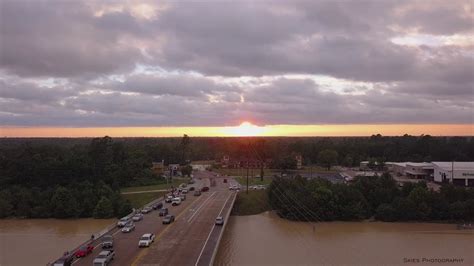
pixel 39 241
pixel 266 239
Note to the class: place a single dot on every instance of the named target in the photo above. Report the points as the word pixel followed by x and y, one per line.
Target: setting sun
pixel 245 129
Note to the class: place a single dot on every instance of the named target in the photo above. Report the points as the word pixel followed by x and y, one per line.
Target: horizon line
pixel 327 130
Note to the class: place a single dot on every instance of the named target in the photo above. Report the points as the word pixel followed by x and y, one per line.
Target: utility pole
pixel 248 152
pixel 452 171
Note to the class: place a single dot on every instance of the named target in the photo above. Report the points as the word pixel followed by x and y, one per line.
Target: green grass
pixel 250 204
pixel 138 200
pixel 243 172
pixel 272 172
pixel 175 183
pixel 253 181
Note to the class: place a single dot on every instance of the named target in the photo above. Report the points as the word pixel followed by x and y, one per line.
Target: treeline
pixel 75 200
pixel 82 180
pixel 350 150
pixel 367 197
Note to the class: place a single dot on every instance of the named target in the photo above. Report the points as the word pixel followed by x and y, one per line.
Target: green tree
pixel 185 141
pixel 187 170
pixel 327 158
pixel 63 203
pixel 5 204
pixel 385 212
pixel 104 209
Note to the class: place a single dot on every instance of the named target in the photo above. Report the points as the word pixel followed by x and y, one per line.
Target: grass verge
pixel 253 181
pixel 253 203
pixel 138 200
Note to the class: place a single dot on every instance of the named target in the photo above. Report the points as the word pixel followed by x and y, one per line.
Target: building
pixel 227 162
pixel 201 165
pixel 458 173
pixel 364 165
pixel 158 167
pixel 419 170
pixel 396 168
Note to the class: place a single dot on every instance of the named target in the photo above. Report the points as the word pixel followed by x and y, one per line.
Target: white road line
pixel 202 205
pixel 213 226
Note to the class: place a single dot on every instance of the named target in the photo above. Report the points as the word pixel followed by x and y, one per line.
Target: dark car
pixel 108 242
pixel 65 260
pixel 204 189
pixel 168 219
pixel 163 211
pixel 225 180
pixel 158 206
pixel 191 189
pixel 197 193
pixel 83 251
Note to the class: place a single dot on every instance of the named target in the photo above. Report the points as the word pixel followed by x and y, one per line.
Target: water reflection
pixel 43 239
pixel 266 239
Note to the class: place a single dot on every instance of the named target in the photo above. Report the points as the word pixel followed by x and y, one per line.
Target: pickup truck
pixel 176 201
pixel 146 240
pixel 104 258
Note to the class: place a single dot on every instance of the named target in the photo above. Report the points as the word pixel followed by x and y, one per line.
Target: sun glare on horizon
pixel 245 129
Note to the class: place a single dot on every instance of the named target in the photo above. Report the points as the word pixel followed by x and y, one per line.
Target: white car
pixel 146 210
pixel 122 222
pixel 128 228
pixel 184 191
pixel 104 258
pixel 137 217
pixel 176 201
pixel 146 240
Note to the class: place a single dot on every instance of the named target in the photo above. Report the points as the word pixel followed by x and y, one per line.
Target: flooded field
pixel 266 239
pixel 39 241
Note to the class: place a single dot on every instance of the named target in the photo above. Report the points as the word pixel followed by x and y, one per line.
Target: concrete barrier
pixel 107 230
pixel 226 219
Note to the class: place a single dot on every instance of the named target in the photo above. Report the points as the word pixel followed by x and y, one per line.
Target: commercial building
pixel 202 165
pixel 397 168
pixel 419 170
pixel 440 172
pixel 158 167
pixel 458 173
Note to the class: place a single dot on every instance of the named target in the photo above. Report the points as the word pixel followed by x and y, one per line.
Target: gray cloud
pixel 202 48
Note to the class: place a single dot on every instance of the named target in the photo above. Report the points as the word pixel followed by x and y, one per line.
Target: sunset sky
pixel 228 68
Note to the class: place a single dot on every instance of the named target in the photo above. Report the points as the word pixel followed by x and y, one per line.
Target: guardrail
pixel 108 229
pixel 226 219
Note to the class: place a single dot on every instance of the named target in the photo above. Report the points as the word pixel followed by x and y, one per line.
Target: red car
pixel 83 251
pixel 204 189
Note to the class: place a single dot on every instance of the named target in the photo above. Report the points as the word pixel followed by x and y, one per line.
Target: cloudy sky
pixel 218 63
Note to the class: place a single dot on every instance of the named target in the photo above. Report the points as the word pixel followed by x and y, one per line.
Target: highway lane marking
pixel 143 252
pixel 213 226
pixel 202 205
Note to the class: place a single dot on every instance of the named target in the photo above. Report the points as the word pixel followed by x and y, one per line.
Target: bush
pixel 104 209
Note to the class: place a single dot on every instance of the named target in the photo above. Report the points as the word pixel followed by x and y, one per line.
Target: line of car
pixel 127 225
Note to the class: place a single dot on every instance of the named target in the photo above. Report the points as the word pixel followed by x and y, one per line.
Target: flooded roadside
pixel 38 241
pixel 266 239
